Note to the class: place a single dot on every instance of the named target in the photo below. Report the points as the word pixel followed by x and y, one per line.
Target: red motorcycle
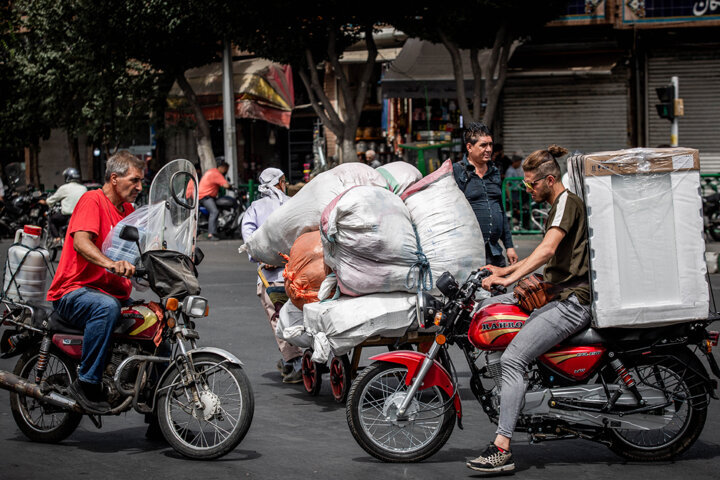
pixel 642 392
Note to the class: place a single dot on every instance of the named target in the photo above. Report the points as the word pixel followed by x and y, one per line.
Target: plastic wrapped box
pixel 647 253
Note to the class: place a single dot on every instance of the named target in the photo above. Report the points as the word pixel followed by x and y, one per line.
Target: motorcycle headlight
pixel 195 306
pixel 447 285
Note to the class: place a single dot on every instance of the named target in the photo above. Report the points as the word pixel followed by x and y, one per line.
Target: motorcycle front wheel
pixel 371 411
pixel 677 377
pixel 215 423
pixel 38 421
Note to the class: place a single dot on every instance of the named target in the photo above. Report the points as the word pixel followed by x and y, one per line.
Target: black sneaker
pixel 492 460
pixel 295 376
pixel 83 393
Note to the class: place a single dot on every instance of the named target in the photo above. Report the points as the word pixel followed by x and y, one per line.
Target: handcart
pixel 343 369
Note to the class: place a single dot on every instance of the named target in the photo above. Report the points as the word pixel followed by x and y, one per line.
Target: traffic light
pixel 666 95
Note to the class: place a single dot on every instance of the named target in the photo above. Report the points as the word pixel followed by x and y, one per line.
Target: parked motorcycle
pixel 231 209
pixel 21 207
pixel 54 248
pixel 201 396
pixel 642 392
pixel 711 215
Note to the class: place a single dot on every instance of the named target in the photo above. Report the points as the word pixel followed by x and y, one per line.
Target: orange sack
pixel 305 270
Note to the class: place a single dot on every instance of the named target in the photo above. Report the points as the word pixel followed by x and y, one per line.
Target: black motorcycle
pixel 231 209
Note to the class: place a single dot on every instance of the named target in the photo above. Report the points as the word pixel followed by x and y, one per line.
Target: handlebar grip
pixel 498 290
pixel 140 273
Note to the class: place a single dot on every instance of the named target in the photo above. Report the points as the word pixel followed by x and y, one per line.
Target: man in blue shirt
pixel 480 181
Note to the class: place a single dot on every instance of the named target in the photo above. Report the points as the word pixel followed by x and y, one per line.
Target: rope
pixel 420 275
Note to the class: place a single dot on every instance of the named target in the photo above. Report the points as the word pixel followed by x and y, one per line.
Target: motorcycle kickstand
pixel 96 420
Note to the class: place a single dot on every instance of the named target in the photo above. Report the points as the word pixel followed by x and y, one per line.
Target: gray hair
pixel 121 162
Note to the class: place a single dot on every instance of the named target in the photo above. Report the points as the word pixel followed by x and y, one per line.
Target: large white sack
pixel 449 232
pixel 339 325
pixel 368 241
pixel 399 175
pixel 290 326
pixel 302 212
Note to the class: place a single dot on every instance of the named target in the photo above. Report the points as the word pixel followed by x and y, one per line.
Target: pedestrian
pixel 370 157
pixel 272 190
pixel 479 179
pixel 208 190
pixel 500 160
pixel 564 253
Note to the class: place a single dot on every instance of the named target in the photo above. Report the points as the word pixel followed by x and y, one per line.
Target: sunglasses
pixel 531 186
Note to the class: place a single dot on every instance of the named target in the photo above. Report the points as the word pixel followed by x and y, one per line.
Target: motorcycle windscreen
pixel 173 198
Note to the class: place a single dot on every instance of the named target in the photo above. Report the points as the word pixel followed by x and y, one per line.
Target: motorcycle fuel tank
pixel 494 327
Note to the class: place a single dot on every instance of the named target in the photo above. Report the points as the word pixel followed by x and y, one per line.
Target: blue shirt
pixel 485 197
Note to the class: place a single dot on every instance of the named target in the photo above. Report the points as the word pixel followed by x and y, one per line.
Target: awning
pixel 263 90
pixel 531 63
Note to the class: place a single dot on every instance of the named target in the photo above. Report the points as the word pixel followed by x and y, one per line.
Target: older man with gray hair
pixel 272 188
pixel 89 289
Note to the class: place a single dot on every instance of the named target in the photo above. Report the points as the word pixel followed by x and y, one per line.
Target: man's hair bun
pixel 557 151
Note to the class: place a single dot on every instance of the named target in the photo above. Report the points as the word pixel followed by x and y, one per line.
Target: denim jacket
pixel 485 197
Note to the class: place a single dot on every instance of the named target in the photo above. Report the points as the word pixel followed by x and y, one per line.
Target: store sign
pixel 583 12
pixel 664 11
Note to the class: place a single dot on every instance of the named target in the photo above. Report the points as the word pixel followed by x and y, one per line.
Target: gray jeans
pixel 545 328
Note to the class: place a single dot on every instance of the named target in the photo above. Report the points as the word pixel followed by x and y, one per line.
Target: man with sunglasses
pixel 480 181
pixel 564 253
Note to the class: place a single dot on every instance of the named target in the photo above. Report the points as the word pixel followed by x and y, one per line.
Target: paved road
pixel 297 436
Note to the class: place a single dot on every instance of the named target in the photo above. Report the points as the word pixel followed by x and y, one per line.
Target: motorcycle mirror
pixel 199 255
pixel 130 233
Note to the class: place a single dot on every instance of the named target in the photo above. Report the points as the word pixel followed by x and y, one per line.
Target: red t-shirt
pixel 210 183
pixel 96 214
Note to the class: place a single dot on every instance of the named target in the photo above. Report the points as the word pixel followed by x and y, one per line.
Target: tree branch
pixel 316 104
pixel 335 121
pixel 340 73
pixel 477 83
pixel 368 70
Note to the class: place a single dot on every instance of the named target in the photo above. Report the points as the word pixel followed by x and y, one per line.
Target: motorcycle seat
pixel 584 337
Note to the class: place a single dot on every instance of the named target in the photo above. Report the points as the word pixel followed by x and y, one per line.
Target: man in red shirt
pixel 89 289
pixel 210 184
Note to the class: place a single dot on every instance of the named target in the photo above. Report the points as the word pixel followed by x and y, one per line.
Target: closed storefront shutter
pixel 698 75
pixel 588 113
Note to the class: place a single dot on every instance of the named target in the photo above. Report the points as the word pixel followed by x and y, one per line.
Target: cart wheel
pixel 340 378
pixel 311 373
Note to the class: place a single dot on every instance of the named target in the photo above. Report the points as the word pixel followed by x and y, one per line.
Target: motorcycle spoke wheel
pixel 216 426
pixel 373 401
pixel 42 422
pixel 675 379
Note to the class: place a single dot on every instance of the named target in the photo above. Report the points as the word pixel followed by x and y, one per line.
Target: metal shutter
pixel 588 113
pixel 699 81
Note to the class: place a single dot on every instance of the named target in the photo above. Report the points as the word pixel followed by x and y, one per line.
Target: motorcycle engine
pixel 224 217
pixel 119 353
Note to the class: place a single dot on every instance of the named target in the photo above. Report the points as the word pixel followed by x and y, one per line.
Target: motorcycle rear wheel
pixel 676 376
pixel 228 407
pixel 41 422
pixel 371 403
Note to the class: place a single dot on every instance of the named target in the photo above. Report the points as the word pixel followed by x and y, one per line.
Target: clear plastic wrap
pixel 645 237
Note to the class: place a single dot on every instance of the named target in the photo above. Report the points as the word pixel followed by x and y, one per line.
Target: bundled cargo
pixel 645 235
pixel 368 240
pixel 448 231
pixel 302 212
pixel 339 325
pixel 399 175
pixel 305 269
pixel 290 326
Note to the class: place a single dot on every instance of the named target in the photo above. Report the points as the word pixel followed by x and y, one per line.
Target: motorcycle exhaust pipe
pixel 13 383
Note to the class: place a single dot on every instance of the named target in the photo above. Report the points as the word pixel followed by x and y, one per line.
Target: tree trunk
pixel 202 130
pixel 497 72
pixel 74 150
pixel 347 151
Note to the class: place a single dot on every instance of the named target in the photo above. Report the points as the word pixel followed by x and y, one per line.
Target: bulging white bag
pixel 399 175
pixel 339 325
pixel 290 326
pixel 448 230
pixel 368 241
pixel 302 212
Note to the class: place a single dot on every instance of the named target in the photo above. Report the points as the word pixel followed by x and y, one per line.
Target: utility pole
pixel 229 115
pixel 674 125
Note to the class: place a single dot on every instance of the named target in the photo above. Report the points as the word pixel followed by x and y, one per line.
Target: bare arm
pixel 84 245
pixel 535 260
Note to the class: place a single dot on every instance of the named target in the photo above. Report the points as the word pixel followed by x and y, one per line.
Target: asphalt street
pixel 294 435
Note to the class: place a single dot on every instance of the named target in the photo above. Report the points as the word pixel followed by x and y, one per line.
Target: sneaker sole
pixel 504 468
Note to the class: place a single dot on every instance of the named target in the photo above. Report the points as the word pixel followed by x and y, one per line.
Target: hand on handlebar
pixel 122 268
pixel 492 280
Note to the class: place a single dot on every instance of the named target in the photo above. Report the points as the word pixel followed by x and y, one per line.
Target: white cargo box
pixel 645 231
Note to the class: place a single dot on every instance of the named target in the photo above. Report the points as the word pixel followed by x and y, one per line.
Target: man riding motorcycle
pixel 208 189
pixel 88 289
pixel 68 195
pixel 563 251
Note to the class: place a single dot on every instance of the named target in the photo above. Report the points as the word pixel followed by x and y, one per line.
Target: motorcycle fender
pixel 218 351
pixel 436 376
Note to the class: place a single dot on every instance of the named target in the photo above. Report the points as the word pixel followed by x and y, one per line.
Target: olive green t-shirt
pixel 570 262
